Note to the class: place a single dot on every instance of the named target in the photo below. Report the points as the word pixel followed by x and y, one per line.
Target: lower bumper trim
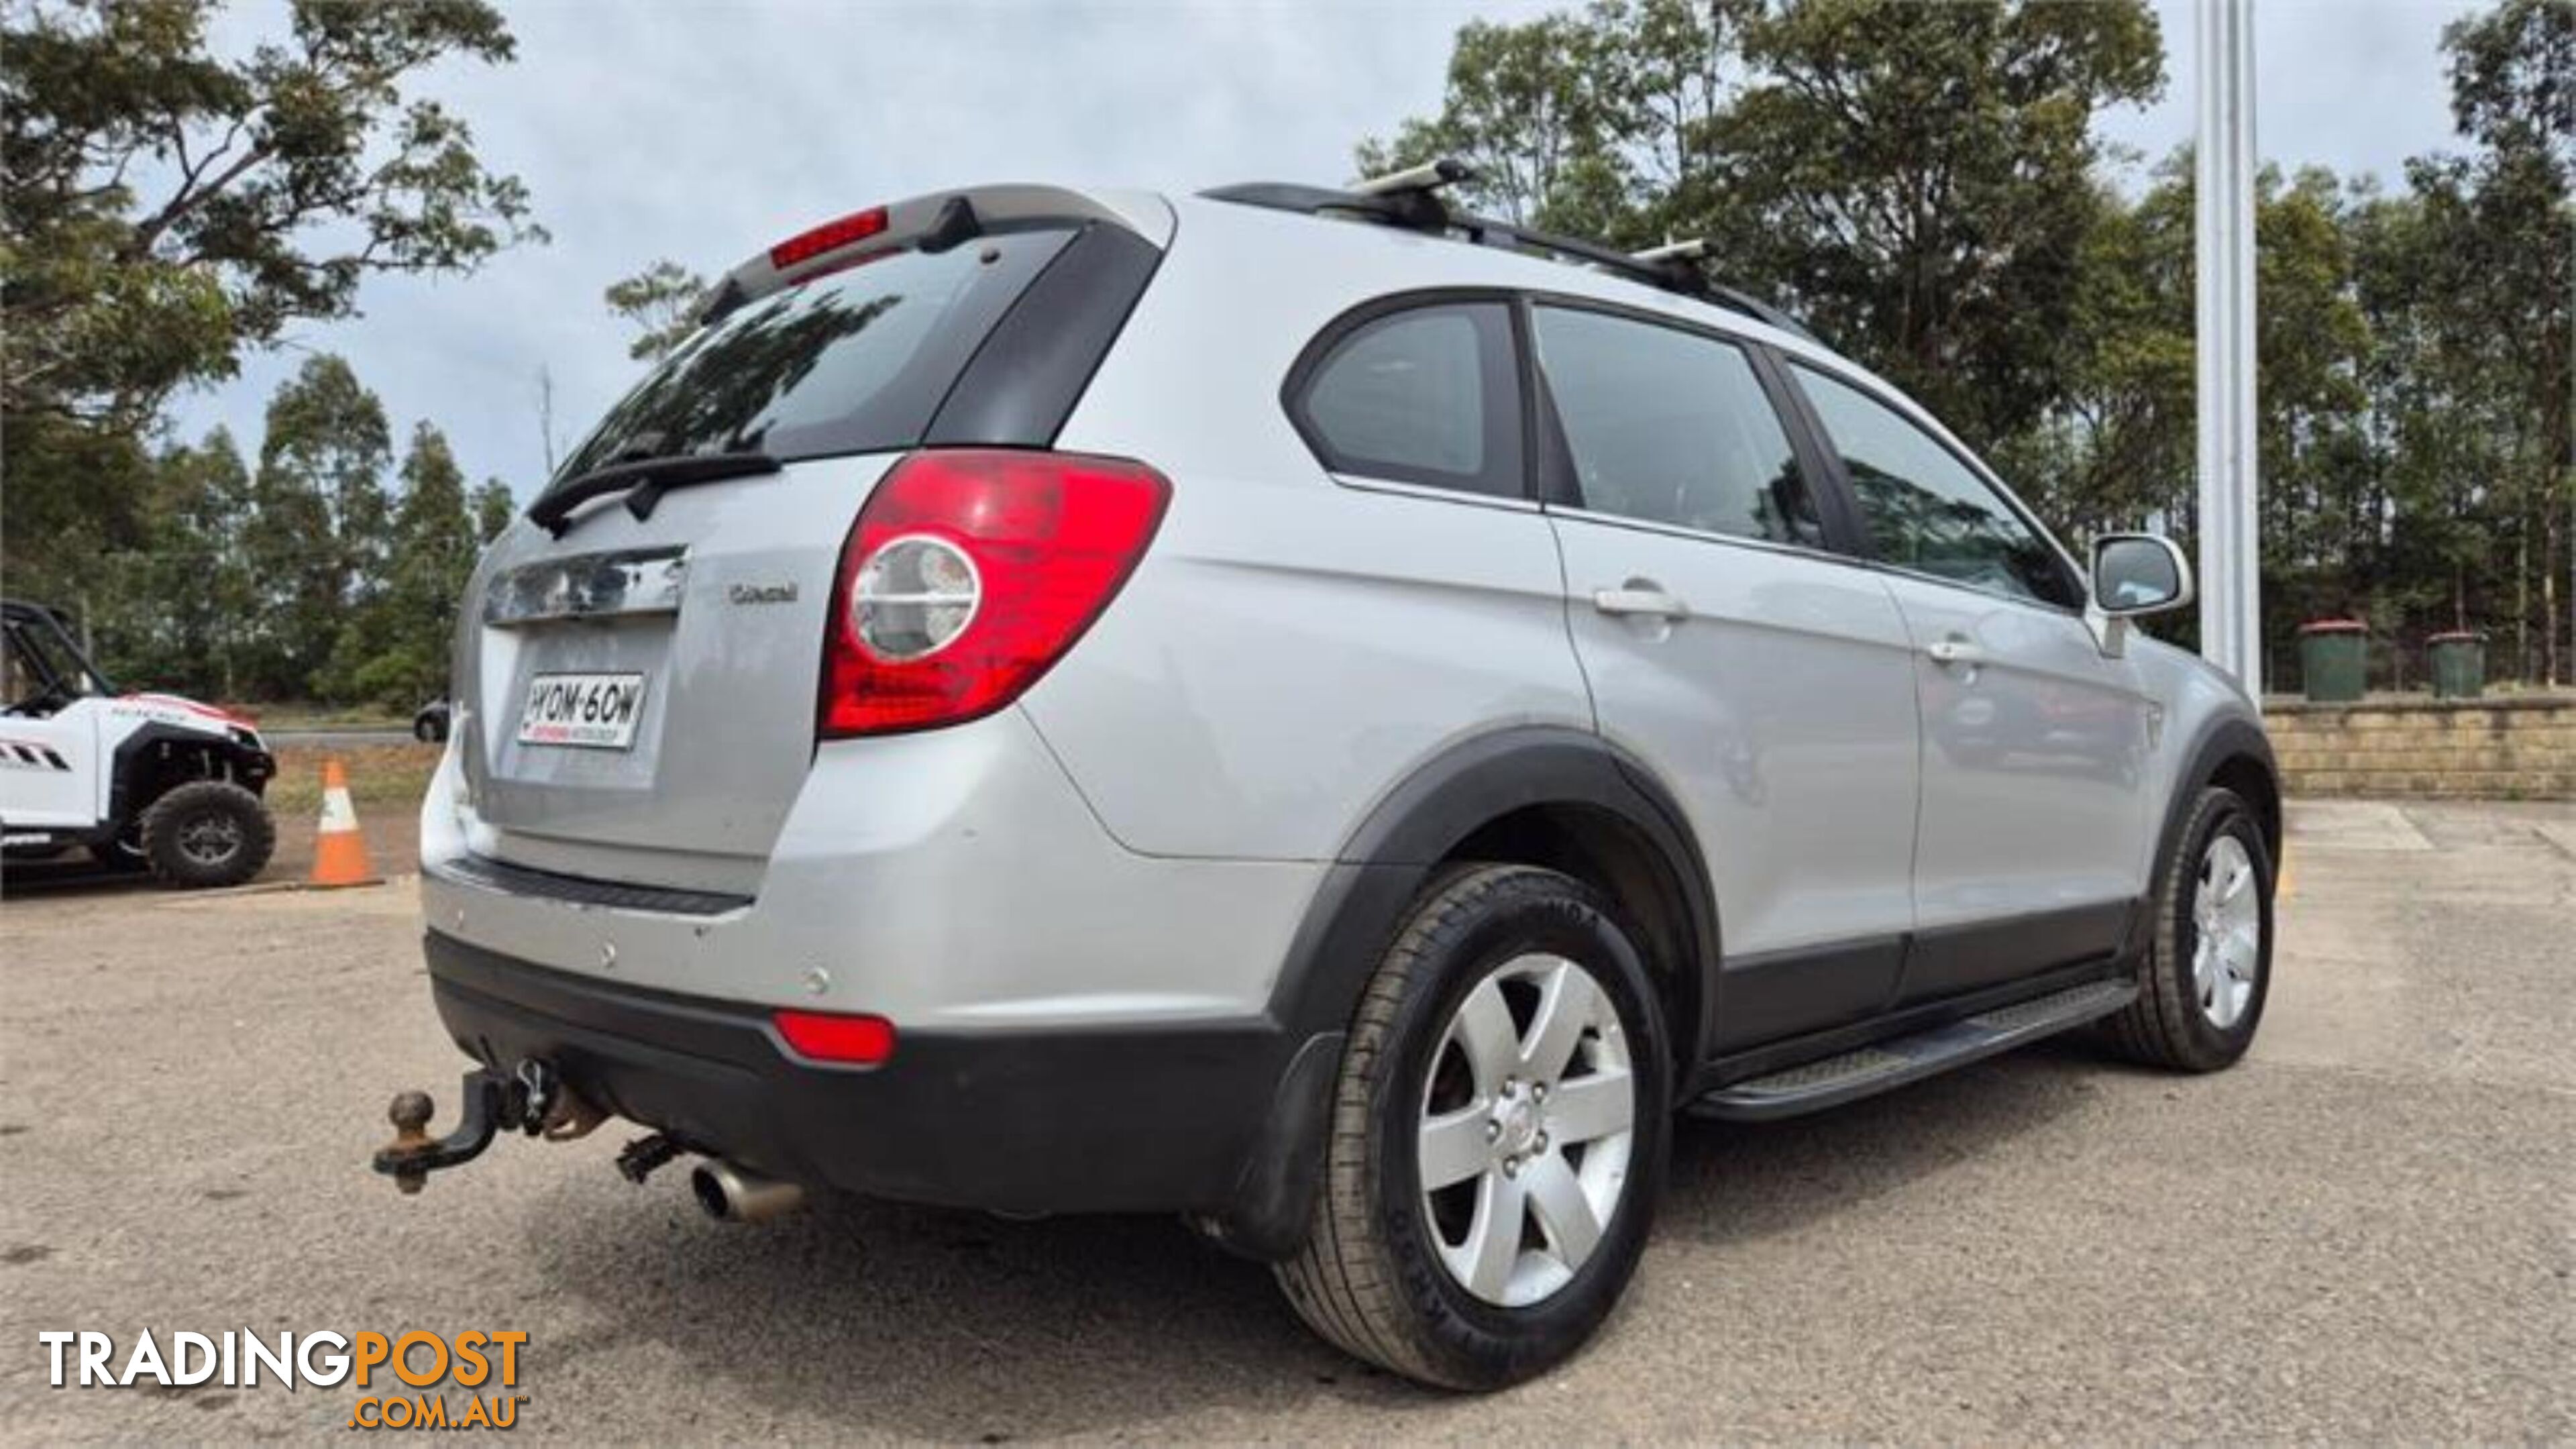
pixel 1113 1119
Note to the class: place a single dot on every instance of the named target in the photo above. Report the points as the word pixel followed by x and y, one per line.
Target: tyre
pixel 2202 991
pixel 1498 1136
pixel 207 833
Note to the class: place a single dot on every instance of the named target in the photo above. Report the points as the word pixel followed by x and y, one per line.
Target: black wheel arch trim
pixel 1359 906
pixel 2224 740
pixel 1418 825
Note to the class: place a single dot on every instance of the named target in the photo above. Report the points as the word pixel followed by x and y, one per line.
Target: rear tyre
pixel 1498 1136
pixel 207 833
pixel 2201 993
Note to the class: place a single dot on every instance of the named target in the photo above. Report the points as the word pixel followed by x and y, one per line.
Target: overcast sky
pixel 705 131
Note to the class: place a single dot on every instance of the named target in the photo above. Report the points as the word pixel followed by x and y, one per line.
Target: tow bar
pixel 532 1101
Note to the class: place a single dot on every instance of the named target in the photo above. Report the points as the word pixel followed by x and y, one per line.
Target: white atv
pixel 142 781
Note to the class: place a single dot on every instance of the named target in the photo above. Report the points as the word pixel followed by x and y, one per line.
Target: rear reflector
pixel 855 1041
pixel 831 236
pixel 968 575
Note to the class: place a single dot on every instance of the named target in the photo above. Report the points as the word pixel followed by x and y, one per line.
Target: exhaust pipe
pixel 737 1195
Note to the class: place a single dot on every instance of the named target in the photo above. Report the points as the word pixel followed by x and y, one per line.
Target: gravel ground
pixel 2365 1233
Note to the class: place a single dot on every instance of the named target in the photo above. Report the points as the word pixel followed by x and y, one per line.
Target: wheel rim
pixel 1528 1115
pixel 210 839
pixel 2227 932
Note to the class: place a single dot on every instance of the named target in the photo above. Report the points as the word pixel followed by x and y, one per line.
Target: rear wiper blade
pixel 643 481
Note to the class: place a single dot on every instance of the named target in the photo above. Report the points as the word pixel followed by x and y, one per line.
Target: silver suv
pixel 1311 711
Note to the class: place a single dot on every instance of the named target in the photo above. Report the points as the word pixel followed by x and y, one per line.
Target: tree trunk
pixel 2522 596
pixel 2549 587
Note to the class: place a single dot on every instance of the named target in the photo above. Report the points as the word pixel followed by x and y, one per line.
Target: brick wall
pixel 2496 749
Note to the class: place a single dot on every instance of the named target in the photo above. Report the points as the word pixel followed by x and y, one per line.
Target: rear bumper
pixel 1203 1118
pixel 947 880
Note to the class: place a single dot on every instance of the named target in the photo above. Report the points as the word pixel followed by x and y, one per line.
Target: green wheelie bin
pixel 2333 654
pixel 2459 664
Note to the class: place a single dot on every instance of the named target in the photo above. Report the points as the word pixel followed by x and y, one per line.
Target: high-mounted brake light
pixel 968 575
pixel 823 1036
pixel 831 236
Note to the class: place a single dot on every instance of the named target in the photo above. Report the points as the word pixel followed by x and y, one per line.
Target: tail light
pixel 968 574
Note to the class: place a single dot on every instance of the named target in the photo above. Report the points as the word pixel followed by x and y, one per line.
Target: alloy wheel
pixel 1527 1123
pixel 2227 934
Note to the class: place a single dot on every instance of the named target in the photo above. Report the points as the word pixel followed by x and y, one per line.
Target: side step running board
pixel 1839 1079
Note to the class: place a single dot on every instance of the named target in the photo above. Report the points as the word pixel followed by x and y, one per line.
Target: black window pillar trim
pixel 1552 481
pixel 1846 529
pixel 1034 363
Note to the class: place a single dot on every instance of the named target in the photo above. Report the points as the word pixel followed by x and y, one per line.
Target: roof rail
pixel 1410 199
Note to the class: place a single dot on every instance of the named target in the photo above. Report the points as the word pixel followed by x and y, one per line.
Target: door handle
pixel 1954 651
pixel 1634 600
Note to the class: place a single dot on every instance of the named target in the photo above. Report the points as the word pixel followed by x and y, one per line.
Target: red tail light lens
pixel 969 574
pixel 822 1036
pixel 858 226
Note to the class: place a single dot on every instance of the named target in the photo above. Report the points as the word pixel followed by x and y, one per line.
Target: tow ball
pixel 533 1100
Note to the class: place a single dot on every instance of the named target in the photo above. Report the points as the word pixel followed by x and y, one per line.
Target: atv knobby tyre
pixel 207 833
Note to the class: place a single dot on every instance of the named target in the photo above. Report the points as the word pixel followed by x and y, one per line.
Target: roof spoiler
pixel 928 223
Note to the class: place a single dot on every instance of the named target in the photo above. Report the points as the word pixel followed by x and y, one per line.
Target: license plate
pixel 586 711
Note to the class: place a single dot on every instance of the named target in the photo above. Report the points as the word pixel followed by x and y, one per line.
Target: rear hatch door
pixel 637 674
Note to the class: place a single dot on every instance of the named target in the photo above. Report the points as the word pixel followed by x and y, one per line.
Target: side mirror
pixel 2135 574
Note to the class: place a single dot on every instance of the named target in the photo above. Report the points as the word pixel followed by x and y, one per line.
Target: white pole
pixel 2231 612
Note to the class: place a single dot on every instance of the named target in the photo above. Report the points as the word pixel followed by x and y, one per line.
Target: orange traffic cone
pixel 339 849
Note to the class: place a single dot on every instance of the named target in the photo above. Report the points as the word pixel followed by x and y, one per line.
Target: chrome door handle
pixel 1954 651
pixel 1640 601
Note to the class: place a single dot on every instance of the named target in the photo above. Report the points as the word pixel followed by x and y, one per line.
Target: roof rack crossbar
pixel 1429 176
pixel 1674 251
pixel 1407 199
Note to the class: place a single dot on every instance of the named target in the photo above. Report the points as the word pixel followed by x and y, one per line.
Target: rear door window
pixel 1672 427
pixel 1428 395
pixel 855 361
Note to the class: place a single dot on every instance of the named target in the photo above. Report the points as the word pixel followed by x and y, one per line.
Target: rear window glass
pixel 853 362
